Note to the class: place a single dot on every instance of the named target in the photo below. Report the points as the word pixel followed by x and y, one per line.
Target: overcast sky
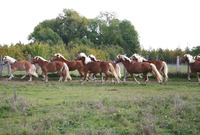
pixel 159 23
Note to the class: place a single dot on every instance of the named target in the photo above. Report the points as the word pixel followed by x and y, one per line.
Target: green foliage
pixel 45 35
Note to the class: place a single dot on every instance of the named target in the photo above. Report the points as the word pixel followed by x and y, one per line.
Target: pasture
pixel 71 108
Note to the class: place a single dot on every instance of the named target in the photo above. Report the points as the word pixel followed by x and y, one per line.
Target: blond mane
pixel 123 57
pixel 87 59
pixel 36 57
pixel 139 57
pixel 190 58
pixel 9 59
pixel 92 56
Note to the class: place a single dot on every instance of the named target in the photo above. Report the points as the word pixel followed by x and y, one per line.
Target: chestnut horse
pixel 160 65
pixel 73 65
pixel 197 57
pixel 194 65
pixel 20 66
pixel 58 66
pixel 138 67
pixel 97 67
pixel 116 66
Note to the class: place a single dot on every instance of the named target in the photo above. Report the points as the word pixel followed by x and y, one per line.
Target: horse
pixel 138 67
pixel 160 65
pixel 73 65
pixel 58 66
pixel 97 67
pixel 193 64
pixel 197 57
pixel 116 66
pixel 20 66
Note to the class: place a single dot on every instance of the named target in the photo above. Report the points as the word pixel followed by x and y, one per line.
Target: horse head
pixel 83 58
pixel 197 57
pixel 37 59
pixel 189 58
pixel 93 58
pixel 8 59
pixel 121 58
pixel 182 60
pixel 137 58
pixel 134 57
pixel 56 56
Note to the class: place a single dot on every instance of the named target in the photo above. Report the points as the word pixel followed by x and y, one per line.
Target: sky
pixel 167 24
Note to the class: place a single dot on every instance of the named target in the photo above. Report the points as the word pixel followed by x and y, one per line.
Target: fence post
pixel 188 68
pixel 29 57
pixel 8 66
pixel 1 66
pixel 177 64
pixel 156 56
pixel 124 68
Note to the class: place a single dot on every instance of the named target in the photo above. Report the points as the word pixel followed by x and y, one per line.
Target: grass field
pixel 71 108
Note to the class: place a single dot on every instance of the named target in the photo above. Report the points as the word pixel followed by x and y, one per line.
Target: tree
pixel 71 25
pixel 45 35
pixel 195 50
pixel 130 37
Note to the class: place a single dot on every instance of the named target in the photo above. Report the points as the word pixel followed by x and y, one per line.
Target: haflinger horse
pixel 73 65
pixel 194 65
pixel 116 66
pixel 197 57
pixel 160 65
pixel 20 66
pixel 137 68
pixel 97 67
pixel 58 66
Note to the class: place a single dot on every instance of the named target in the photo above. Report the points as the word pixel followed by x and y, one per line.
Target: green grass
pixel 71 108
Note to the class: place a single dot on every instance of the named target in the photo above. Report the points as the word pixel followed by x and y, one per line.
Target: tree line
pixel 71 33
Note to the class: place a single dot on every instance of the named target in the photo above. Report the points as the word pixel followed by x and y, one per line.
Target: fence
pixel 173 68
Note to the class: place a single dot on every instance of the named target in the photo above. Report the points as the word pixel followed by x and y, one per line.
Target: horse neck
pixel 126 63
pixel 41 62
pixel 63 59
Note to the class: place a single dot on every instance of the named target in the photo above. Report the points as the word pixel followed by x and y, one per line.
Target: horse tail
pixel 118 70
pixel 165 70
pixel 158 75
pixel 113 71
pixel 66 71
pixel 33 70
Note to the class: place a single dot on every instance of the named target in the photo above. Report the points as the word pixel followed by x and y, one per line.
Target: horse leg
pixel 140 76
pixel 24 75
pixel 101 77
pixel 127 73
pixel 11 75
pixel 189 79
pixel 146 79
pixel 43 76
pixel 61 76
pixel 108 74
pixel 134 78
pixel 46 77
pixel 81 73
pixel 30 77
pixel 94 78
pixel 197 77
pixel 85 76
